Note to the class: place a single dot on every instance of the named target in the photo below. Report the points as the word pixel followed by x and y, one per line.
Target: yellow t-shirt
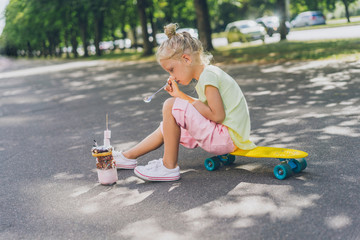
pixel 237 113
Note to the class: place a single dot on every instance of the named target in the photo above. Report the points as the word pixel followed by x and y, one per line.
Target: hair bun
pixel 170 29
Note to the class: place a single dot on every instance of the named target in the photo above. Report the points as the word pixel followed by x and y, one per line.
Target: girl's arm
pixel 213 111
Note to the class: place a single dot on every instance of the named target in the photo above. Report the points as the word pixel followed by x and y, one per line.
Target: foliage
pixel 52 27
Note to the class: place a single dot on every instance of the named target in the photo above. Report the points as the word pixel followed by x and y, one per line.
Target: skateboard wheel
pixel 227 159
pixel 282 171
pixel 211 164
pixel 303 163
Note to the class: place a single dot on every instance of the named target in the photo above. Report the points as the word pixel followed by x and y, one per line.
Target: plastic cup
pixel 105 164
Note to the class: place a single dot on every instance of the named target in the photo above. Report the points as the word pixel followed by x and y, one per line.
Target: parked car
pixel 161 37
pixel 244 31
pixel 193 32
pixel 272 24
pixel 308 18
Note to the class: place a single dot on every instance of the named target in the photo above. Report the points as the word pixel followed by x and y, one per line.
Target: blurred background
pixel 82 28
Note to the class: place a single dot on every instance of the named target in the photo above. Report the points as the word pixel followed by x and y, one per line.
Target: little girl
pixel 218 121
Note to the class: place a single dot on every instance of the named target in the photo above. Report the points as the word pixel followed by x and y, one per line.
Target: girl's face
pixel 180 69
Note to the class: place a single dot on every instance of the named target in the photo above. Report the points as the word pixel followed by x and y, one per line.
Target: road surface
pixel 306 35
pixel 51 112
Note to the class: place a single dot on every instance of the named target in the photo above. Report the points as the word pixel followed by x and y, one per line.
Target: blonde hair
pixel 179 43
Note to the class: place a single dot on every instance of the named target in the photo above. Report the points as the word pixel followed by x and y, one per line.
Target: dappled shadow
pixel 311 106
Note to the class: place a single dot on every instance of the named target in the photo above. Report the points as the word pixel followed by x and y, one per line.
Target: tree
pixel 83 20
pixel 346 5
pixel 203 23
pixel 98 8
pixel 141 5
pixel 282 17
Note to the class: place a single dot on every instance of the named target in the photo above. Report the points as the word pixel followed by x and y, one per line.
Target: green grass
pixel 290 51
pixel 264 53
pixel 125 56
pixel 261 53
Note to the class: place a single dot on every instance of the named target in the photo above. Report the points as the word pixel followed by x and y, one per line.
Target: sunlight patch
pixel 80 190
pixel 338 222
pixel 49 69
pixel 344 131
pixel 259 93
pixel 244 223
pixel 72 98
pixel 246 207
pixel 115 196
pixel 174 185
pixel 90 208
pixel 253 202
pixel 149 229
pixel 281 122
pixel 249 167
pixel 67 176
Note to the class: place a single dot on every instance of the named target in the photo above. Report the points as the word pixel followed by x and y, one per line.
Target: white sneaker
pixel 156 171
pixel 122 162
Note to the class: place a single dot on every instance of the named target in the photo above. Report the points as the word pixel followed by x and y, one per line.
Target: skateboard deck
pixel 271 152
pixel 292 160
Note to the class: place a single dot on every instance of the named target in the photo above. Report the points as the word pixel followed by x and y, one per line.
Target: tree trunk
pixel 282 17
pixel 346 4
pixel 45 53
pixel 134 44
pixel 153 26
pixel 51 43
pixel 142 14
pixel 29 50
pixel 99 27
pixel 98 8
pixel 66 40
pixel 83 24
pixel 74 43
pixel 124 35
pixel 203 23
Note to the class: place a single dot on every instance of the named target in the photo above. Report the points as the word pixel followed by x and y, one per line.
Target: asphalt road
pixel 326 33
pixel 51 112
pixel 305 35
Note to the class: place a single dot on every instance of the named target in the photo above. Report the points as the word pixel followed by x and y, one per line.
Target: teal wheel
pixel 227 159
pixel 282 171
pixel 211 164
pixel 303 163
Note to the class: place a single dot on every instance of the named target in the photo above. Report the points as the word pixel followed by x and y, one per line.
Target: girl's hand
pixel 172 88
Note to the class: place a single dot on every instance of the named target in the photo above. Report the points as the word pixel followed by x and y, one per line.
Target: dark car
pixel 272 24
pixel 308 18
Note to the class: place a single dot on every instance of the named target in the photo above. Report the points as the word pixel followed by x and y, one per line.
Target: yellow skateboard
pixel 292 161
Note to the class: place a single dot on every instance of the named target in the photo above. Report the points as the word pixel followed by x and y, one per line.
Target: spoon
pixel 148 99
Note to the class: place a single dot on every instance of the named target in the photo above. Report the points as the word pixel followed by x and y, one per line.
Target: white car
pixel 308 18
pixel 193 32
pixel 161 37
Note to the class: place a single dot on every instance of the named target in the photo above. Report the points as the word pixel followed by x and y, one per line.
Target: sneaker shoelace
pixel 117 154
pixel 154 164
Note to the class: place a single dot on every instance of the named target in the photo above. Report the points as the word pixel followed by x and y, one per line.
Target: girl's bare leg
pixel 150 143
pixel 171 135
